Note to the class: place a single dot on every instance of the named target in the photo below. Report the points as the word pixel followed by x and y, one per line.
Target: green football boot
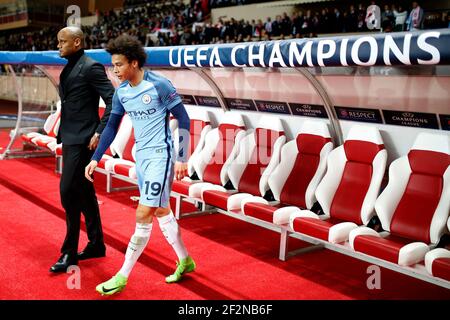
pixel 112 286
pixel 184 266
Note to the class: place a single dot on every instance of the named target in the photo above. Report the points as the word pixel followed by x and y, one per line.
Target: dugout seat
pixel 126 161
pixel 199 126
pixel 211 164
pixel 295 179
pixel 117 148
pixel 259 154
pixel 413 208
pixel 348 191
pixel 437 261
pixel 51 127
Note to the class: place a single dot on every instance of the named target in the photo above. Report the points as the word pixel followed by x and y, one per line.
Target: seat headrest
pixel 199 114
pixel 428 162
pixel 364 133
pixel 228 131
pixel 266 137
pixel 233 118
pixel 432 142
pixel 310 143
pixel 361 151
pixel 270 123
pixel 319 128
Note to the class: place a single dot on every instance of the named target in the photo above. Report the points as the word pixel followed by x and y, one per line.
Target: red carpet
pixel 5 139
pixel 236 260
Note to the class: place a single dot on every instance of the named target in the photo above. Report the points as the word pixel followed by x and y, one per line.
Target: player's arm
pixel 171 99
pixel 107 137
pixel 184 124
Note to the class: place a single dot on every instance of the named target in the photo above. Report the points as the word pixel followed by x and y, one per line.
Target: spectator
pixel 186 37
pixel 268 26
pixel 400 16
pixel 338 21
pixel 387 19
pixel 286 25
pixel 297 22
pixel 416 18
pixel 361 14
pixel 351 21
pixel 276 26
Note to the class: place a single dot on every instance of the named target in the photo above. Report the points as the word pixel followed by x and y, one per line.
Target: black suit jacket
pixel 79 95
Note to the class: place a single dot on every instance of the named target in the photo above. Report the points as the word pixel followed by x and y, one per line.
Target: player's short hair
pixel 129 46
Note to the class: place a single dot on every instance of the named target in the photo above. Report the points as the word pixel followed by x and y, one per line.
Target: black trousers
pixel 78 196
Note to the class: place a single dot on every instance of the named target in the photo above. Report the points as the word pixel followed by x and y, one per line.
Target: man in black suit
pixel 82 82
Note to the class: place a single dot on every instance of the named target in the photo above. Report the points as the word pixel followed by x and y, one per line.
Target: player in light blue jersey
pixel 148 99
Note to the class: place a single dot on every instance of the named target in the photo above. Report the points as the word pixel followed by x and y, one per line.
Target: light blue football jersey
pixel 148 106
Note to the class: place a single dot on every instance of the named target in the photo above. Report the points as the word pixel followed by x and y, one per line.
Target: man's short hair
pixel 76 32
pixel 129 46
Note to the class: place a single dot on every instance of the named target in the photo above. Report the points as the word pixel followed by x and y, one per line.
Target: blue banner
pixel 404 48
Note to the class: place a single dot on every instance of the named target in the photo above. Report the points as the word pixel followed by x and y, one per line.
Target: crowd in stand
pixel 227 3
pixel 161 23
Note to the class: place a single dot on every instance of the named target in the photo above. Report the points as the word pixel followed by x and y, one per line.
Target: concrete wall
pixel 89 20
pixel 104 5
pixel 39 90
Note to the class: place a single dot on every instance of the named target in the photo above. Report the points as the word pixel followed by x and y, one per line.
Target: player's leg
pixel 139 240
pixel 155 193
pixel 136 246
pixel 169 227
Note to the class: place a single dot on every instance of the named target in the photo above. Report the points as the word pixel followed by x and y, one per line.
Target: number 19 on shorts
pixel 153 187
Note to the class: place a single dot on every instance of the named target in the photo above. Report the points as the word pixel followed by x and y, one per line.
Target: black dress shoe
pixel 90 252
pixel 64 262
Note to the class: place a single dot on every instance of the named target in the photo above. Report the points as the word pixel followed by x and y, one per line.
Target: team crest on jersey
pixel 146 99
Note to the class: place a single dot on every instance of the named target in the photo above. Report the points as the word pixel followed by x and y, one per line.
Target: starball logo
pixel 410 118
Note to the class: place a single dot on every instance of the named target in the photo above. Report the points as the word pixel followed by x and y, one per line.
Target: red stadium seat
pixel 413 209
pixel 295 180
pixel 199 128
pixel 211 165
pixel 51 127
pixel 348 190
pixel 259 154
pixel 437 262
